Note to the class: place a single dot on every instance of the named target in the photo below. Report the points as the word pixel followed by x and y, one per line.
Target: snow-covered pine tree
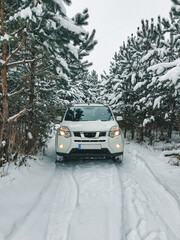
pixel 79 67
pixel 51 40
pixel 88 84
pixel 38 52
pixel 167 73
pixel 149 51
pixel 123 76
pixel 14 28
pixel 93 86
pixel 133 88
pixel 105 88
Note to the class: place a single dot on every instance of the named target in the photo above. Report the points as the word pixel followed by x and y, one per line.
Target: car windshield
pixel 89 113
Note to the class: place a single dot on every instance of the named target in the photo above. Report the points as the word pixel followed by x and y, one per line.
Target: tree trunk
pixel 141 136
pixel 5 105
pixel 150 137
pixel 31 96
pixel 132 132
pixel 5 109
pixel 31 105
pixel 125 132
pixel 178 119
pixel 169 131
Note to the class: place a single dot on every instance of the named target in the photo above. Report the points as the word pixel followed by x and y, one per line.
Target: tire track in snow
pixel 147 203
pixel 119 166
pixel 171 198
pixel 157 179
pixel 143 215
pixel 119 208
pixel 98 211
pixel 32 208
pixel 64 204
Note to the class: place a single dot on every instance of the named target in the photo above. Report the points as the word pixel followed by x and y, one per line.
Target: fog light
pixel 62 133
pixel 118 145
pixel 61 146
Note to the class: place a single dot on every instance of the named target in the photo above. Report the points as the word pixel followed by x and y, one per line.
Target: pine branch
pixel 16 93
pixel 15 117
pixel 42 70
pixel 21 44
pixel 17 32
pixel 37 2
pixel 15 51
pixel 20 62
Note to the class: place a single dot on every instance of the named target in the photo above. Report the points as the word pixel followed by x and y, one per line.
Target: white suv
pixel 89 130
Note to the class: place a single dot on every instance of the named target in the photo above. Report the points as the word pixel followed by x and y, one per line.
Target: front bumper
pixel 107 146
pixel 75 152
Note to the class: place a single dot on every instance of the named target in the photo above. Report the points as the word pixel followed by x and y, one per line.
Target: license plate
pixel 89 146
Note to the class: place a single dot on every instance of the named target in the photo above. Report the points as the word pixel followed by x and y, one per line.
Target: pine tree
pixel 14 28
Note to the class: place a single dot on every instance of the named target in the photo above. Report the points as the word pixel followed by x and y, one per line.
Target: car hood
pixel 89 126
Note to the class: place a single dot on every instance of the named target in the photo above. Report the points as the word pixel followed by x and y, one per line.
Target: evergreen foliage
pixel 143 84
pixel 42 56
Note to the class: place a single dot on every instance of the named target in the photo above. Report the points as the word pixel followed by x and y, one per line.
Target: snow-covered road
pixel 98 200
pixel 150 210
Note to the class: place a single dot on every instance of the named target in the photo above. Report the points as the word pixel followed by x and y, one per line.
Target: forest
pixel 44 68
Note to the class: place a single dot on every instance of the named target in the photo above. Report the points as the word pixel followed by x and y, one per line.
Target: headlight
pixel 114 131
pixel 64 132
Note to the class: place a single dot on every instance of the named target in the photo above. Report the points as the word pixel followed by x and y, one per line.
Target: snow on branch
pixel 138 85
pixel 173 75
pixel 24 13
pixel 5 37
pixel 2 62
pixel 67 23
pixel 157 102
pixel 73 50
pixel 164 65
pixel 173 71
pixel 148 56
pixel 20 62
pixel 159 52
pixel 60 3
pixel 15 117
pixel 63 63
pixel 16 93
pixel 15 51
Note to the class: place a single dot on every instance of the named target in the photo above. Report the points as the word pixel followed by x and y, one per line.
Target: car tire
pixel 118 159
pixel 59 159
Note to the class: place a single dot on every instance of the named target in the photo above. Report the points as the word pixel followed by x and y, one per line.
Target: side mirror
pixel 119 118
pixel 59 119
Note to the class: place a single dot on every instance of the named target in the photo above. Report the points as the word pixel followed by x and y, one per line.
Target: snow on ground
pixel 21 190
pixel 92 200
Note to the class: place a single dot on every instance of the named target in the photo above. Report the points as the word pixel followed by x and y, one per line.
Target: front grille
pixel 77 134
pixel 102 134
pixel 89 134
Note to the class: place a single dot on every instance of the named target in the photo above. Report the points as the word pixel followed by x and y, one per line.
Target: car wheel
pixel 59 159
pixel 118 159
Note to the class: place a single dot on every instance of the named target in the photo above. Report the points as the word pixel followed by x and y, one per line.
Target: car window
pixel 90 113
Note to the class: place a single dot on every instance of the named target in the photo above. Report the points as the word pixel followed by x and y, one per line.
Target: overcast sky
pixel 114 21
